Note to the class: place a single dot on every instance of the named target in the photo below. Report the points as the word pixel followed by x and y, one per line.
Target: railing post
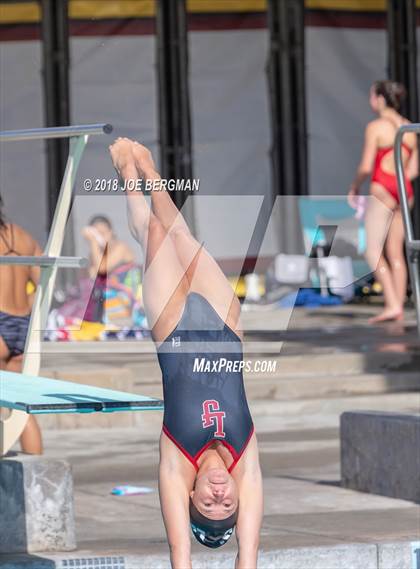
pixel 412 245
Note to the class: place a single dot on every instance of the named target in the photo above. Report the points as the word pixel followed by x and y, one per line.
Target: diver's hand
pixel 246 560
pixel 180 558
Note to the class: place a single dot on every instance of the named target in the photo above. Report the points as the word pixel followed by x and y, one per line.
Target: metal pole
pixel 56 65
pixel 62 262
pixel 174 100
pixel 286 78
pixel 56 62
pixel 402 67
pixel 55 132
pixel 412 245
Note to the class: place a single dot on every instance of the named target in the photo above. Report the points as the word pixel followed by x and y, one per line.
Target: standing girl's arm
pixel 366 163
pixel 412 169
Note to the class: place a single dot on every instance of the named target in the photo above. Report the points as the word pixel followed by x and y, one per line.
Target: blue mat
pixel 37 395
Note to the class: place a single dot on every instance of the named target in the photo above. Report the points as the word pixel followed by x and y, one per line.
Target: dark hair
pixel 100 219
pixel 394 93
pixel 2 218
pixel 208 532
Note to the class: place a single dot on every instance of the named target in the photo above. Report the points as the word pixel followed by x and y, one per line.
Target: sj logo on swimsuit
pixel 213 417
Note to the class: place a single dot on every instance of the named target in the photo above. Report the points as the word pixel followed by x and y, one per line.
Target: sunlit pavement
pixel 329 361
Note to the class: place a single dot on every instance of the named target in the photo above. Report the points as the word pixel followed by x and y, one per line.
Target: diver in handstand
pixel 209 474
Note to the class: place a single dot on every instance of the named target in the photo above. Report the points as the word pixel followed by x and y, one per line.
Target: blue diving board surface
pixel 40 395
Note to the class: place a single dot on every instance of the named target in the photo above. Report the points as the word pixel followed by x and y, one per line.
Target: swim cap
pixel 208 532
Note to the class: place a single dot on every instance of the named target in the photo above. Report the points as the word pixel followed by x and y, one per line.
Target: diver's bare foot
pixel 387 315
pixel 143 159
pixel 121 153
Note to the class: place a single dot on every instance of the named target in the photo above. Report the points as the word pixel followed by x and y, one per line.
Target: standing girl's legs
pixel 203 273
pixel 395 255
pixel 378 218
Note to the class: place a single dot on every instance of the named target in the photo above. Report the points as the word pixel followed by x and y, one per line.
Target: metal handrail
pixel 55 132
pixel 412 244
pixel 44 261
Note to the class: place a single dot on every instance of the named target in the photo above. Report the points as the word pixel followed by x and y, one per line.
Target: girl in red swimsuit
pixel 384 223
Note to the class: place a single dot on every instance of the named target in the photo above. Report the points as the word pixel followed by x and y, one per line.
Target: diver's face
pixel 215 494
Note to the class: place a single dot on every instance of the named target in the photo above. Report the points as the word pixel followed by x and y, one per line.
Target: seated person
pixel 106 254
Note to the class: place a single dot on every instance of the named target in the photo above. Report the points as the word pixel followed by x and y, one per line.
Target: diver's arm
pixel 174 496
pixel 249 522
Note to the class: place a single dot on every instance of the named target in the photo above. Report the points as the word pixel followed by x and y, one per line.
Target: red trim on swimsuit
pixel 181 448
pixel 193 459
pixel 238 456
pixel 387 180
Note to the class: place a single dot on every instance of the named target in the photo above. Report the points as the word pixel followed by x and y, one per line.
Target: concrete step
pixel 286 366
pixel 344 362
pixel 284 387
pixel 325 412
pixel 335 365
pixel 308 386
pixel 380 555
pixel 145 378
pixel 141 357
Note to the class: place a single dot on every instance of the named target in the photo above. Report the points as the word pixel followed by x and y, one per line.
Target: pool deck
pixel 331 361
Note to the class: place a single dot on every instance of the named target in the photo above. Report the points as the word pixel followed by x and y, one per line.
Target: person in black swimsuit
pixel 209 474
pixel 15 307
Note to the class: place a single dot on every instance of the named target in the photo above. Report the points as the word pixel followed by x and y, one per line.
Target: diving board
pixel 78 135
pixel 41 395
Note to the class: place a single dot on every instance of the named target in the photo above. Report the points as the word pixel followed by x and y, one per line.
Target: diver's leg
pixel 165 285
pixel 203 273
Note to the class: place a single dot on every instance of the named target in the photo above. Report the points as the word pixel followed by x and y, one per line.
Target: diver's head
pixel 213 507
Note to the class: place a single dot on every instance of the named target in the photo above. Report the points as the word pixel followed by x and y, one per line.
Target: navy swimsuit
pixel 201 363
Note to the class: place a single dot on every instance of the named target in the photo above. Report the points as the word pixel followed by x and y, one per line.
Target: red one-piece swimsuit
pixel 387 180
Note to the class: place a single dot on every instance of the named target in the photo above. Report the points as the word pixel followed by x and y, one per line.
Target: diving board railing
pixel 41 261
pixel 12 427
pixel 412 245
pixel 55 132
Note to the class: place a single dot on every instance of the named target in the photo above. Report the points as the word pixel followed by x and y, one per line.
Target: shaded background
pixel 113 79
